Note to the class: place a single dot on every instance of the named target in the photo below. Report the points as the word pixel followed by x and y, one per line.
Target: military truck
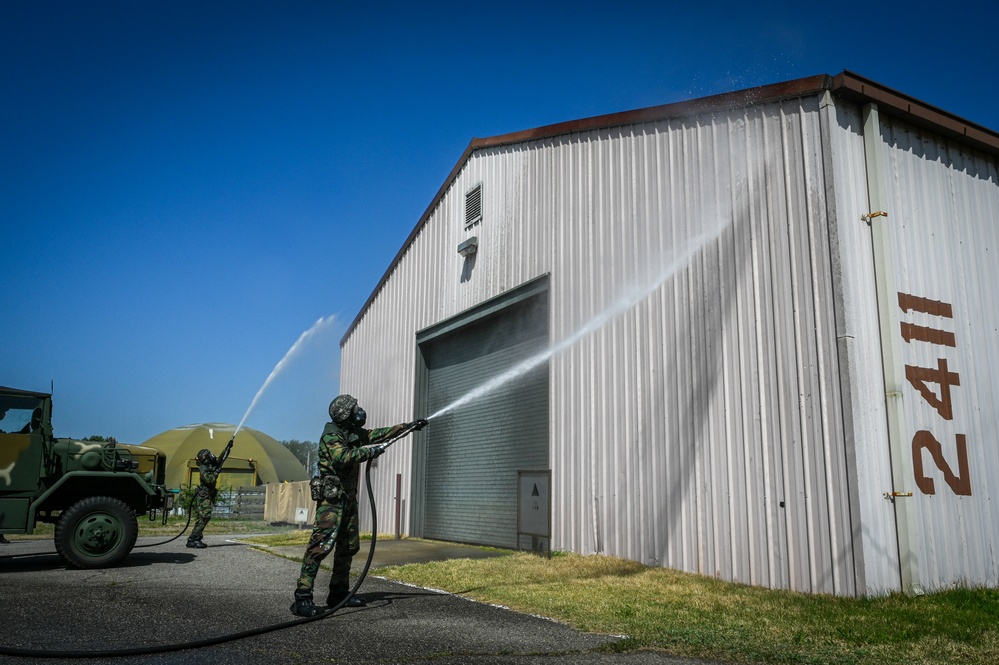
pixel 92 491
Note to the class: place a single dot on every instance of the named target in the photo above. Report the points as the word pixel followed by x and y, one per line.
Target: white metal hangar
pixel 751 336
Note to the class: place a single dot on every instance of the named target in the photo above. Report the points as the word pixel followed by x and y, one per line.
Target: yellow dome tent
pixel 256 459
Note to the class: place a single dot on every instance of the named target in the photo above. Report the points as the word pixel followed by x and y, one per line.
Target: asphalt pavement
pixel 229 603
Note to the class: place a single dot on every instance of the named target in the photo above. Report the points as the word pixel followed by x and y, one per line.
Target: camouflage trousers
pixel 201 508
pixel 335 531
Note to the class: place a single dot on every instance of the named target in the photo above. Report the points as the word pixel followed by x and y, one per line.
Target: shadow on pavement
pixel 38 561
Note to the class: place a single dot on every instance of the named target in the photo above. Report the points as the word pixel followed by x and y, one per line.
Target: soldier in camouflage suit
pixel 204 494
pixel 341 451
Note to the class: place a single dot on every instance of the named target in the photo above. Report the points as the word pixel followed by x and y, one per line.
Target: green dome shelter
pixel 256 458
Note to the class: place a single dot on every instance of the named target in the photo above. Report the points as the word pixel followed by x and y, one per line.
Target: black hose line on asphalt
pixel 197 644
pixel 190 513
pixel 14 556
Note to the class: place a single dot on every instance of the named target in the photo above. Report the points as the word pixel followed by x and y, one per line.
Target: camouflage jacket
pixel 209 476
pixel 341 451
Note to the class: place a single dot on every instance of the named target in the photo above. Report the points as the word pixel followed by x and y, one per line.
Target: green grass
pixel 695 616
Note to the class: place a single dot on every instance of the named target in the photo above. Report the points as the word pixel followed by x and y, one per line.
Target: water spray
pixel 629 299
pixel 292 352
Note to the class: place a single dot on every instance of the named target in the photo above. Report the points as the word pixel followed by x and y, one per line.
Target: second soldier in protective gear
pixel 203 503
pixel 342 448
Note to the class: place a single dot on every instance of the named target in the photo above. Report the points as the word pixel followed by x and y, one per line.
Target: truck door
pixel 20 464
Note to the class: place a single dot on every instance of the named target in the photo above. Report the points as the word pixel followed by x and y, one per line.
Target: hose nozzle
pixel 225 453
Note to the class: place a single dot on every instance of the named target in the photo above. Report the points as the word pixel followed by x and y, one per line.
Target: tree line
pixel 305 452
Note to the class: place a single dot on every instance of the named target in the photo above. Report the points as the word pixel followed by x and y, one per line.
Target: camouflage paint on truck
pixel 91 491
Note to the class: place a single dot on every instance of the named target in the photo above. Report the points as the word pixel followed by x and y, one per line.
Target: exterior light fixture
pixel 469 247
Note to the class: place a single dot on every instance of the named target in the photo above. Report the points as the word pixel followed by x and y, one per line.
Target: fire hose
pixel 197 644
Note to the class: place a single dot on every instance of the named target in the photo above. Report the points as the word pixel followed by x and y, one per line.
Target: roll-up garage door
pixel 475 450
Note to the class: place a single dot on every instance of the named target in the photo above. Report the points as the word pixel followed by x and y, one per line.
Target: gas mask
pixel 206 457
pixel 358 417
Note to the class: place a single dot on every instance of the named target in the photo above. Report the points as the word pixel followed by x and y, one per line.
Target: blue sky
pixel 188 187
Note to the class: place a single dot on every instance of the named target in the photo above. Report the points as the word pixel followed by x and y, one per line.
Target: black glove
pixel 376 451
pixel 419 424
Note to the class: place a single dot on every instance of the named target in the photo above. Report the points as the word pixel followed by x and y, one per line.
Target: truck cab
pixel 92 491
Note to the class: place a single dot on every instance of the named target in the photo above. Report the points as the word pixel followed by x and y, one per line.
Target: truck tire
pixel 96 532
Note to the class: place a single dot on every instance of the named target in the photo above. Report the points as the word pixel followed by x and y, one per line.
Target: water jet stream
pixel 629 299
pixel 292 352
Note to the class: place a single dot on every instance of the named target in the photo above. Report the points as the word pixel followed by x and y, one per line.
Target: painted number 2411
pixel 921 378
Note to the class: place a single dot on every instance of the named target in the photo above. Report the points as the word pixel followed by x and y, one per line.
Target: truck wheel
pixel 96 532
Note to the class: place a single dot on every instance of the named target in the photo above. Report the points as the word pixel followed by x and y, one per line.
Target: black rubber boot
pixel 303 605
pixel 196 543
pixel 334 599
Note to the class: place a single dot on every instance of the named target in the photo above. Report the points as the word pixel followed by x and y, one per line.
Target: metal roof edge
pixel 846 84
pixel 23 393
pixel 714 103
pixel 412 235
pixel 856 88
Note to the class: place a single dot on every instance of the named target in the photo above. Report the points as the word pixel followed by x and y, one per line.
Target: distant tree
pixel 305 451
pixel 102 439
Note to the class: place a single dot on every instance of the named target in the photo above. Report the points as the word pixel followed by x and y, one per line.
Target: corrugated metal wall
pixel 701 429
pixel 942 205
pixel 724 450
pixel 859 350
pixel 430 284
pixel 943 217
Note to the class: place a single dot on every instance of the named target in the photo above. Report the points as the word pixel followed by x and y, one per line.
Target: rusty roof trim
pixel 856 88
pixel 712 104
pixel 847 85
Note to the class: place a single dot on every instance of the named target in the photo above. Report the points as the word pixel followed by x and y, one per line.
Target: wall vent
pixel 473 206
